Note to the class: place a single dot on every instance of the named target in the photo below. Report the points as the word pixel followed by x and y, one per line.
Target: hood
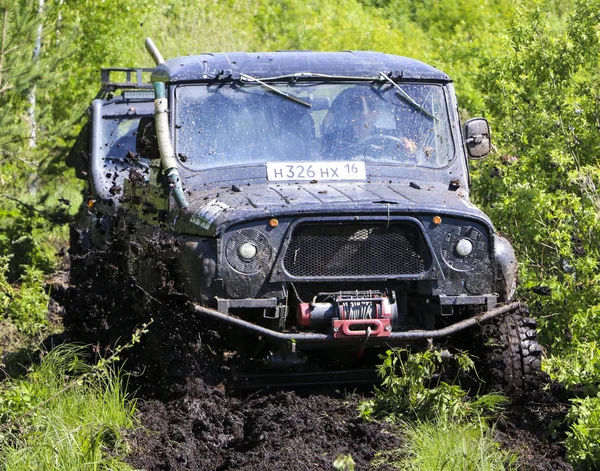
pixel 211 211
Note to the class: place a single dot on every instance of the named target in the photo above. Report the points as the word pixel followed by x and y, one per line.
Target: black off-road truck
pixel 307 201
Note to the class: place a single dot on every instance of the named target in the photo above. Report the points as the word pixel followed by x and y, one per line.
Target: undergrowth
pixel 412 388
pixel 448 445
pixel 25 305
pixel 441 425
pixel 65 414
pixel 583 438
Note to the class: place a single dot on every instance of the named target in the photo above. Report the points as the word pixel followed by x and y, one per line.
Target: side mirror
pixel 477 138
pixel 146 143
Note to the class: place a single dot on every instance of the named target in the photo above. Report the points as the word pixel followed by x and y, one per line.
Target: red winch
pixel 351 314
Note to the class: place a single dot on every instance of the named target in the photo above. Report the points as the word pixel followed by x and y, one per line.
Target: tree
pixel 24 28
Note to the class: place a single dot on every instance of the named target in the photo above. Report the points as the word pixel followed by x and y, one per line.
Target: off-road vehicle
pixel 307 200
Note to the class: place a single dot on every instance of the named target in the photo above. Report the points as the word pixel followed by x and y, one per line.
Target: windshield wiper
pixel 406 96
pixel 248 78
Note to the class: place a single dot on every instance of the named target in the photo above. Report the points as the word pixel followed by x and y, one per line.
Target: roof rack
pixel 130 73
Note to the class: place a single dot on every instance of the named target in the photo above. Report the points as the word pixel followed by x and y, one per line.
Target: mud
pixel 207 430
pixel 533 428
pixel 191 423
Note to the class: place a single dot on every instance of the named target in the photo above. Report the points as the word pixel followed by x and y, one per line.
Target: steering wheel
pixel 399 148
pixel 384 139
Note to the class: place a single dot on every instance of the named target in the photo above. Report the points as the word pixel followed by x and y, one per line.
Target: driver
pixel 360 117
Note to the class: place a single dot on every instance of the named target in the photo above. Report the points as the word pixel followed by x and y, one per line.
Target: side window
pixel 118 137
pixel 117 155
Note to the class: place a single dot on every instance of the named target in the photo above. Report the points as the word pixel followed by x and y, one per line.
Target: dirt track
pixel 207 430
pixel 282 430
pixel 192 424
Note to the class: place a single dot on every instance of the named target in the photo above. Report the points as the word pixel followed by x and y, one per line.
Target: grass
pixel 440 425
pixel 65 415
pixel 448 445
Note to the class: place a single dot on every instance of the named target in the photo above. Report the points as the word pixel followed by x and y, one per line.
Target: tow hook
pixel 361 327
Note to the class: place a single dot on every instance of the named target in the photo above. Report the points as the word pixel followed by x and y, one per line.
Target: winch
pixel 351 313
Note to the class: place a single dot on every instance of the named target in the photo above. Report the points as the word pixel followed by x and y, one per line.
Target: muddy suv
pixel 309 200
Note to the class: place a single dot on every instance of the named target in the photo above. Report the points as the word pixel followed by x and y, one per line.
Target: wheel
pixel 511 354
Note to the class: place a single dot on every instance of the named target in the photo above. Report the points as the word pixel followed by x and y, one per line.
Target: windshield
pixel 248 123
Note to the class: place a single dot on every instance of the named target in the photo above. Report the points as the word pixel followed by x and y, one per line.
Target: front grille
pixel 353 250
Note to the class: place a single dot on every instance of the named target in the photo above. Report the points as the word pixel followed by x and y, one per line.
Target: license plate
pixel 277 171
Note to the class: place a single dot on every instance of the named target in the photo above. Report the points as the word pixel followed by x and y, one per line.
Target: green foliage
pixel 583 439
pixel 25 91
pixel 543 99
pixel 455 36
pixel 409 389
pixel 541 188
pixel 577 367
pixel 64 415
pixel 295 24
pixel 449 446
pixel 25 305
pixel 31 139
pixel 440 425
pixel 25 235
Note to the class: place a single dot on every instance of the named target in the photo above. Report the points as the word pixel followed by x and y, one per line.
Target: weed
pixel 411 388
pixel 448 445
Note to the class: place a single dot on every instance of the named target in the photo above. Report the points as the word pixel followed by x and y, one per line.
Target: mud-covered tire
pixel 511 354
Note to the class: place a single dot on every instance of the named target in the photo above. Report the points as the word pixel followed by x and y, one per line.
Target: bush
pixel 542 187
pixel 583 439
pixel 411 388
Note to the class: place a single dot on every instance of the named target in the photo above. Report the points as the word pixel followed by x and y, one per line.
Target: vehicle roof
pixel 211 66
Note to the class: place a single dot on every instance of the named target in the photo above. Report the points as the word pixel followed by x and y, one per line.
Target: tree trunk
pixel 36 55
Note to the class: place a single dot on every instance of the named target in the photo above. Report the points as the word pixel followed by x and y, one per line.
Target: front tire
pixel 512 354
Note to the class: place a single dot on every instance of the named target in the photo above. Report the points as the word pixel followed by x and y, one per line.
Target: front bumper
pixel 391 339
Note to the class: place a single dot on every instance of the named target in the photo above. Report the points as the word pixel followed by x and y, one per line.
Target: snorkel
pixel 165 147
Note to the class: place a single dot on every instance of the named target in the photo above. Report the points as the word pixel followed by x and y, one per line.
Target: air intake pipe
pixel 165 147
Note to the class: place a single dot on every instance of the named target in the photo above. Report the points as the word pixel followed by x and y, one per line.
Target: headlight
pixel 247 251
pixel 464 247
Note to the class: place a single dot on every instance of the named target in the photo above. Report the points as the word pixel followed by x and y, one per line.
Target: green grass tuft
pixel 445 445
pixel 65 415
